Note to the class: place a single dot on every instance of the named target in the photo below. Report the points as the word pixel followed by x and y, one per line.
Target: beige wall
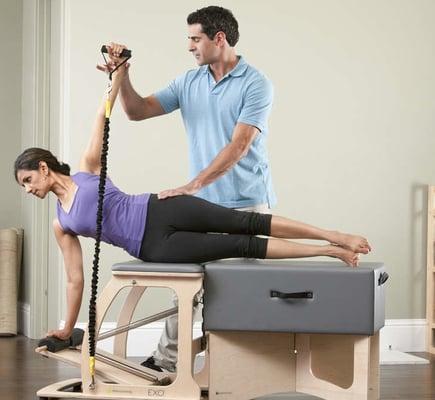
pixel 10 109
pixel 352 128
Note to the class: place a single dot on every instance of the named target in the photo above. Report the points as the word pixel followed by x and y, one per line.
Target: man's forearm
pixel 131 101
pixel 230 155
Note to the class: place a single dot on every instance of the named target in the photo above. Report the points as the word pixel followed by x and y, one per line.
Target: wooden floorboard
pixel 23 372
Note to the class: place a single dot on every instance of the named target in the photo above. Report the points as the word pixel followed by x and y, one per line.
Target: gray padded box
pixel 294 296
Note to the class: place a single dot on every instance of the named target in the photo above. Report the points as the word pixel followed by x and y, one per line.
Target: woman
pixel 176 229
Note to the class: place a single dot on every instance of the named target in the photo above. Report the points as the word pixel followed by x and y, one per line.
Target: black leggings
pixel 186 229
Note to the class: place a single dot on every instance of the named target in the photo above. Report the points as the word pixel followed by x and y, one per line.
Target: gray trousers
pixel 165 355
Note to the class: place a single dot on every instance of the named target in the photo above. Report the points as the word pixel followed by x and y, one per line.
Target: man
pixel 225 105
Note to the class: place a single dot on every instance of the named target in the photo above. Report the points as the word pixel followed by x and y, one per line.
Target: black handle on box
pixel 125 52
pixel 383 277
pixel 293 295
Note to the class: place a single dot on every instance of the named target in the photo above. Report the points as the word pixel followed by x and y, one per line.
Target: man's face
pixel 203 49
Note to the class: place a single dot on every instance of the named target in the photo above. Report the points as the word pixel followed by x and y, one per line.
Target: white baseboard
pixel 24 318
pixel 405 335
pixel 394 357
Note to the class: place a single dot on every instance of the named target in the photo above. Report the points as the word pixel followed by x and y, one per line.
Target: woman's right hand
pixel 62 334
pixel 114 51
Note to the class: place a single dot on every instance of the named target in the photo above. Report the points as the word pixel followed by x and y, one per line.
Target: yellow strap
pixel 107 108
pixel 92 365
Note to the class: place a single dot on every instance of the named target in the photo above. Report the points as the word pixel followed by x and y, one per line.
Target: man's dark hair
pixel 215 19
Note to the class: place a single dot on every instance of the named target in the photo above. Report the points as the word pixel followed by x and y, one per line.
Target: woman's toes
pixel 364 250
pixel 357 244
pixel 355 260
pixel 348 256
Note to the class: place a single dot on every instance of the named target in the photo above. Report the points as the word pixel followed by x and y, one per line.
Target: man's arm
pixel 231 154
pixel 72 254
pixel 135 106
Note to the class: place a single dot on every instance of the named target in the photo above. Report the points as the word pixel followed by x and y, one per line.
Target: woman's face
pixel 34 182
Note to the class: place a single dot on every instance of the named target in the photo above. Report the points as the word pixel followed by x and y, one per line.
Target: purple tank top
pixel 124 215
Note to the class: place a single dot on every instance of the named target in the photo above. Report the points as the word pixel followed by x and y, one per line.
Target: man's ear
pixel 220 38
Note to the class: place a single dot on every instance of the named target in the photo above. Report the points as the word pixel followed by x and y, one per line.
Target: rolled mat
pixel 10 263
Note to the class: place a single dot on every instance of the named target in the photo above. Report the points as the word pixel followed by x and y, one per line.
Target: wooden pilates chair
pixel 117 378
pixel 309 327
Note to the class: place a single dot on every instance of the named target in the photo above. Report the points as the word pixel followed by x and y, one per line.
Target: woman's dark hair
pixel 29 160
pixel 215 19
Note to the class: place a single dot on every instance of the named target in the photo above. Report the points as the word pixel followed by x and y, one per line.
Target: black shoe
pixel 151 363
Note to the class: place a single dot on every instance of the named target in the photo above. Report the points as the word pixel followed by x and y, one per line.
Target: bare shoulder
pixel 58 230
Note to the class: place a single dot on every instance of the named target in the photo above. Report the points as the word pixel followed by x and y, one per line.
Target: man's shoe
pixel 151 363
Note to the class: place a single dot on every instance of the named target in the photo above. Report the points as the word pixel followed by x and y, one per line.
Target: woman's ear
pixel 43 168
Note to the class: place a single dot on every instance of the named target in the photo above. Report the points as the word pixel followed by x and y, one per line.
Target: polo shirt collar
pixel 238 70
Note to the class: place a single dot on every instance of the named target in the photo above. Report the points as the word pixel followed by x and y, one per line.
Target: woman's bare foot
pixel 354 243
pixel 348 256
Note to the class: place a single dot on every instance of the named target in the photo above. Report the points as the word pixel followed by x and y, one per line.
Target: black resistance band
pixel 99 222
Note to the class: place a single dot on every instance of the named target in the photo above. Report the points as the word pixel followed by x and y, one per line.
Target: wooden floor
pixel 23 372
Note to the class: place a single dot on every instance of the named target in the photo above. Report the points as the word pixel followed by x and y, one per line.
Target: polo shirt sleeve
pixel 257 104
pixel 169 98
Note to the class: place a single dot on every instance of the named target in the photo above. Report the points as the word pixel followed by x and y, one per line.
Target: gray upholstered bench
pixel 294 296
pixel 302 326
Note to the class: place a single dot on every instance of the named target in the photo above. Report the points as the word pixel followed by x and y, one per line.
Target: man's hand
pixel 62 334
pixel 114 52
pixel 190 189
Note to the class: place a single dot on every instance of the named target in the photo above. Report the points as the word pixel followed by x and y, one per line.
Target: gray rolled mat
pixel 10 260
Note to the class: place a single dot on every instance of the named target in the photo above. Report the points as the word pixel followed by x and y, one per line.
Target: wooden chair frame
pixel 238 365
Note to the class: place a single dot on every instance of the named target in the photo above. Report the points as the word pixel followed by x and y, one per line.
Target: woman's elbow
pixel 76 281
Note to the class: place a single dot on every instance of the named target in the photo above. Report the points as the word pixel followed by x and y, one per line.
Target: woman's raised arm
pixel 90 160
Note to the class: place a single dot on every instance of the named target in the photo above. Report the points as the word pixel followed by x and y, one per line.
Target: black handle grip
pixel 383 277
pixel 294 295
pixel 55 344
pixel 125 52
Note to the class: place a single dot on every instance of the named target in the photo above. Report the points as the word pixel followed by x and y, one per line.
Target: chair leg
pixel 338 367
pixel 247 365
pixel 184 387
pixel 104 301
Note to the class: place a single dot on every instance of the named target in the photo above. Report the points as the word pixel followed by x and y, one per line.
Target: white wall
pixel 352 128
pixel 10 109
pixel 35 132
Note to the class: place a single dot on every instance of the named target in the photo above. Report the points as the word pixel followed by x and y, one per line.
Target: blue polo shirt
pixel 210 112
